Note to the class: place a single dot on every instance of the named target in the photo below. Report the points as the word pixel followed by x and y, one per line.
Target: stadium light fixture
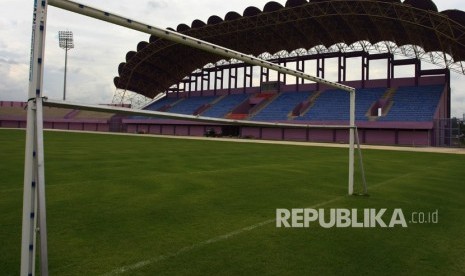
pixel 66 42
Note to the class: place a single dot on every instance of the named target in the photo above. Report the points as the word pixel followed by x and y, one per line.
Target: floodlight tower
pixel 66 42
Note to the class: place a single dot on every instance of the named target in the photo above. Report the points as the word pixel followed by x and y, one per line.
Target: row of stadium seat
pixel 409 104
pixel 414 103
pixel 156 106
pixel 280 108
pixel 225 105
pixel 333 105
pixel 190 105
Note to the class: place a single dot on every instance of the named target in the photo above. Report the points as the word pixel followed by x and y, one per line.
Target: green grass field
pixel 175 207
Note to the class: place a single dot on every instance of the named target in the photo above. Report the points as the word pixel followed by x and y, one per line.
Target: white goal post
pixel 34 211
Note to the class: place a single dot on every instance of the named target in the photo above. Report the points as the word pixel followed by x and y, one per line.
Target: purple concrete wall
pixel 302 87
pixel 295 134
pixel 320 135
pixel 369 136
pixel 59 126
pixel 431 80
pixel 12 104
pixel 182 130
pixel 373 83
pixel 341 136
pixel 380 137
pixel 219 92
pixel 167 130
pixel 272 134
pixel 90 127
pixel 104 127
pixel 252 132
pixel 414 138
pixel 143 129
pixel 197 131
pixel 75 126
pixel 153 129
pixel 131 128
pixel 370 83
pixel 10 124
pixel 222 92
pixel 208 93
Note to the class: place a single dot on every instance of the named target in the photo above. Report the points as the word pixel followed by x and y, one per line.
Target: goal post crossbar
pixel 34 211
pixel 219 50
pixel 175 116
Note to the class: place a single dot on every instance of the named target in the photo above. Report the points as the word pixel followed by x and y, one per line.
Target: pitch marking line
pixel 186 249
pixel 229 235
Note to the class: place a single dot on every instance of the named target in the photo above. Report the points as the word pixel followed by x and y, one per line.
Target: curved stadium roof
pixel 159 64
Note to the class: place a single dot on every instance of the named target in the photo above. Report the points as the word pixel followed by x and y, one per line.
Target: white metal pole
pixel 352 143
pixel 66 67
pixel 360 159
pixel 28 239
pixel 40 177
pixel 33 178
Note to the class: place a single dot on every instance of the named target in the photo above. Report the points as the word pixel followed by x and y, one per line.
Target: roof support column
pixel 247 77
pixel 300 67
pixel 219 73
pixel 231 78
pixel 365 69
pixel 320 70
pixel 236 74
pixel 391 69
pixel 264 75
pixel 417 72
pixel 284 75
pixel 342 61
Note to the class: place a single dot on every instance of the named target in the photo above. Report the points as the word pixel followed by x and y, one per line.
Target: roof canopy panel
pixel 158 64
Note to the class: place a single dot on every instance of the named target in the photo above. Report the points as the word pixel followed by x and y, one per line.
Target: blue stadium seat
pixel 156 106
pixel 280 108
pixel 414 103
pixel 161 103
pixel 334 105
pixel 190 105
pixel 225 105
pixel 410 104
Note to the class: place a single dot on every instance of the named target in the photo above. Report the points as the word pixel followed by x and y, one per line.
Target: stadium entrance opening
pixel 233 131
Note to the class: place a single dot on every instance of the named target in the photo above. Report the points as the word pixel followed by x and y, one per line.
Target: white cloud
pixel 100 47
pixel 160 4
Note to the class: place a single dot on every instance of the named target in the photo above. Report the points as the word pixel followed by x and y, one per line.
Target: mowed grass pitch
pixel 168 206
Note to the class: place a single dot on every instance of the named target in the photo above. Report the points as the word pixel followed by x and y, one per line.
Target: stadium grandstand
pixel 307 36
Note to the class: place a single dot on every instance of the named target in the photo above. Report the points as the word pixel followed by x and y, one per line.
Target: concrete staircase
pixel 305 106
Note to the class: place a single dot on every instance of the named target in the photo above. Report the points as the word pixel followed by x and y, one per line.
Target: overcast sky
pixel 101 47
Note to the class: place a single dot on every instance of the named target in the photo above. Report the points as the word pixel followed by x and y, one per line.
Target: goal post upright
pixel 34 209
pixel 352 144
